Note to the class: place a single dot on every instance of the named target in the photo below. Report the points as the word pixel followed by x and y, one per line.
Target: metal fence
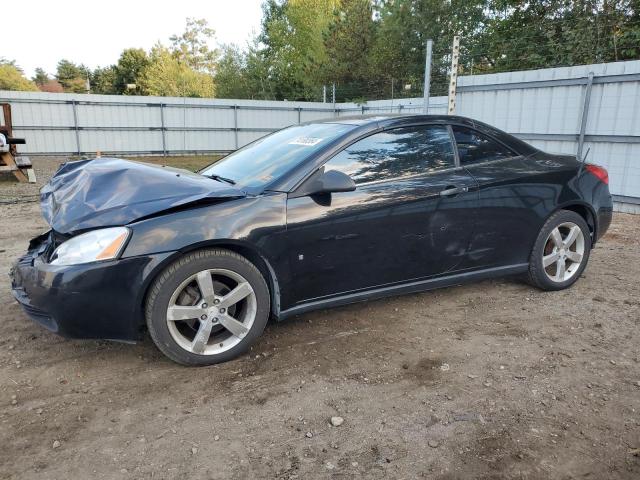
pixel 567 110
pixel 77 124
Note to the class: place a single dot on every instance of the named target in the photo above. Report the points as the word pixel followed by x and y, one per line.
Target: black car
pixel 312 216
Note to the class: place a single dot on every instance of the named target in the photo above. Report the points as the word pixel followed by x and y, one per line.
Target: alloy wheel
pixel 211 311
pixel 563 252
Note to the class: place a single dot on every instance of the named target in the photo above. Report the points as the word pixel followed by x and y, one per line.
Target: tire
pixel 195 328
pixel 546 249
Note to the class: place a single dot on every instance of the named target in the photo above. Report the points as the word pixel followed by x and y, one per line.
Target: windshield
pixel 268 158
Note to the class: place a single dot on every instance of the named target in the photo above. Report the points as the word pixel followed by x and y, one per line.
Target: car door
pixel 407 219
pixel 506 215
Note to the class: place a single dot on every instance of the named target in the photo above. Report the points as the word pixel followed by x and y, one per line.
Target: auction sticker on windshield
pixel 305 141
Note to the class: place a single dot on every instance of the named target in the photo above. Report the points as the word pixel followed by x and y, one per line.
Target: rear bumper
pixel 605 215
pixel 98 300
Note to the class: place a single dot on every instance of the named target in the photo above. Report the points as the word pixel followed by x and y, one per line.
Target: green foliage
pixel 183 70
pixel 103 81
pixel 167 75
pixel 369 48
pixel 12 77
pixel 231 76
pixel 72 77
pixel 41 77
pixel 556 32
pixel 131 64
pixel 192 47
pixel 292 45
pixel 348 42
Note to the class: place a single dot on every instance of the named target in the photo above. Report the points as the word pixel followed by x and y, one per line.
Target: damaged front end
pixel 106 192
pixel 89 300
pixel 72 280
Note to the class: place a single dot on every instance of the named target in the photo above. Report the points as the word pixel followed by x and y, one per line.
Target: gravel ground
pixel 492 380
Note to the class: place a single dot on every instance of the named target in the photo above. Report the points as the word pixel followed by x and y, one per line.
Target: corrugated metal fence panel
pixel 131 141
pixel 51 141
pixel 535 110
pixel 274 119
pixel 42 114
pixel 615 109
pixel 190 141
pixel 549 102
pixel 543 107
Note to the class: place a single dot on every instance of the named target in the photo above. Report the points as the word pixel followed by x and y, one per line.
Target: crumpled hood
pixel 109 192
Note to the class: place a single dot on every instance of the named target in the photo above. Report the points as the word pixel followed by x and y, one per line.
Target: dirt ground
pixel 493 380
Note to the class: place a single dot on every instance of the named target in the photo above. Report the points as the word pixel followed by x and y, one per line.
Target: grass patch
pixel 193 162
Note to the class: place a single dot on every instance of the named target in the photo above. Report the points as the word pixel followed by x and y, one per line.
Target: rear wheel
pixel 561 251
pixel 208 307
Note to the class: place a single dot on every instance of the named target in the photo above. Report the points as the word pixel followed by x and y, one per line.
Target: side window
pixel 396 153
pixel 473 147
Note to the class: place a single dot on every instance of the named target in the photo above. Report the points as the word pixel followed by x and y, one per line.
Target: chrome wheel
pixel 563 252
pixel 211 311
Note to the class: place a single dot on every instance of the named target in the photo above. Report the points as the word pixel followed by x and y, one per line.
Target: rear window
pixel 270 157
pixel 474 147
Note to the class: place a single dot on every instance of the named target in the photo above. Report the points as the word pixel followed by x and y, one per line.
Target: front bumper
pixel 95 300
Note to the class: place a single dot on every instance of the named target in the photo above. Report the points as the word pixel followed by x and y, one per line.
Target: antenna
pixel 582 162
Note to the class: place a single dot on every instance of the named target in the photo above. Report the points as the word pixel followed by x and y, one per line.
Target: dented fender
pixel 106 192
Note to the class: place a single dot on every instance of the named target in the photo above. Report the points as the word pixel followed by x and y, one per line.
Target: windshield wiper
pixel 220 178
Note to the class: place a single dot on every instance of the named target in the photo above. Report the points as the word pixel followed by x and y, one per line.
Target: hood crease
pixel 106 192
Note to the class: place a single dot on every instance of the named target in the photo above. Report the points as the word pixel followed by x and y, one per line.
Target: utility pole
pixel 453 82
pixel 427 75
pixel 324 94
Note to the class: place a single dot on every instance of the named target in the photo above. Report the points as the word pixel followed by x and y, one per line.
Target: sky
pixel 39 33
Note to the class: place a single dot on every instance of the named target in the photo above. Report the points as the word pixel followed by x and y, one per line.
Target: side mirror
pixel 323 182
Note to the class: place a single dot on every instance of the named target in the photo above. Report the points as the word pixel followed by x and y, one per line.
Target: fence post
pixel 427 76
pixel 74 104
pixel 235 124
pixel 333 99
pixel 299 113
pixel 585 114
pixel 453 82
pixel 163 129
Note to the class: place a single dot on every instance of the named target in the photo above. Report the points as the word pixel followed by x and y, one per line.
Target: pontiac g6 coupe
pixel 312 216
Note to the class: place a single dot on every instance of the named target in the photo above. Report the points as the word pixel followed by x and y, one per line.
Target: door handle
pixel 451 191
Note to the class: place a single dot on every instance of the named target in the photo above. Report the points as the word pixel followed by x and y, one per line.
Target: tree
pixel 72 77
pixel 46 83
pixel 12 77
pixel 231 76
pixel 52 86
pixel 41 77
pixel 405 26
pixel 523 35
pixel 348 43
pixel 127 71
pixel 103 81
pixel 166 75
pixel 292 45
pixel 192 46
pixel 12 63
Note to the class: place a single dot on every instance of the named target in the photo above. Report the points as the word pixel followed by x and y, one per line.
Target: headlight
pixel 94 246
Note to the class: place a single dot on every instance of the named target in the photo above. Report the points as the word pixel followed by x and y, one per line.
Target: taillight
pixel 599 172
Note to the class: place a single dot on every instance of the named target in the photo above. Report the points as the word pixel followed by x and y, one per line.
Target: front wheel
pixel 561 251
pixel 208 307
